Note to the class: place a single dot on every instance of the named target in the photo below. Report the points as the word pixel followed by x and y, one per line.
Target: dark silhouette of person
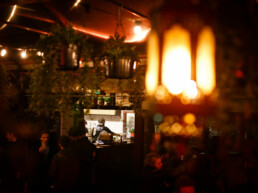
pixel 203 175
pixel 64 169
pixel 152 177
pixel 13 163
pixel 85 151
pixel 42 156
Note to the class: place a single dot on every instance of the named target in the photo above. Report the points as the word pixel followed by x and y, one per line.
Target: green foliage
pixel 131 130
pixel 137 87
pixel 115 48
pixel 107 99
pixel 52 44
pixel 52 90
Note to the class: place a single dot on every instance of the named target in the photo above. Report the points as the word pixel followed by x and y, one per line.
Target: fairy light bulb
pixel 3 52
pixel 23 54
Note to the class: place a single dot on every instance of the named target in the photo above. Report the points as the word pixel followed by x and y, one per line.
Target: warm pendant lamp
pixel 181 66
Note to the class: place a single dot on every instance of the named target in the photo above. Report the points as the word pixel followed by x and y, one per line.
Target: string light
pixel 3 52
pixel 23 54
pixel 39 53
pixel 137 29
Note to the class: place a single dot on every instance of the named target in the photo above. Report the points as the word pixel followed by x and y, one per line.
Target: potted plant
pixel 63 47
pixel 119 57
pixel 53 90
pixel 131 130
pixel 107 100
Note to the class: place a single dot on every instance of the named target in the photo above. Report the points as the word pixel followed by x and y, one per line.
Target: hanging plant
pixel 52 89
pixel 64 47
pixel 119 57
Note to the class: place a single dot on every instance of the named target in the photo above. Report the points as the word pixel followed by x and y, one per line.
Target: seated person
pixel 102 128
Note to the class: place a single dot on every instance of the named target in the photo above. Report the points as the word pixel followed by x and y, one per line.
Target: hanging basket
pixel 121 68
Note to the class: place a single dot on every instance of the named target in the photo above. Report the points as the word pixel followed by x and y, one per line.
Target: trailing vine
pixel 51 89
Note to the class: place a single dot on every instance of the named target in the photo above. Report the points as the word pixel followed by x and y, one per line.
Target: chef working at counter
pixel 102 128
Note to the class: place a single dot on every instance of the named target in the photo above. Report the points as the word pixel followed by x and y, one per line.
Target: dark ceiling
pixel 97 18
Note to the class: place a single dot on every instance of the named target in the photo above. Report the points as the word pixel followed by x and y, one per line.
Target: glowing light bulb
pixel 134 65
pixel 3 52
pixel 176 66
pixel 137 29
pixel 39 53
pixel 191 91
pixel 23 54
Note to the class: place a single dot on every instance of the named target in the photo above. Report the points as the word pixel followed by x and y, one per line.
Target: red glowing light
pixel 239 74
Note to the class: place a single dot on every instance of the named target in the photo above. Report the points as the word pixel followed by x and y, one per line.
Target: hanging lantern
pixel 181 58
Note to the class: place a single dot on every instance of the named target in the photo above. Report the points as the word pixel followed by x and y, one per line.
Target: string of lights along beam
pixel 23 53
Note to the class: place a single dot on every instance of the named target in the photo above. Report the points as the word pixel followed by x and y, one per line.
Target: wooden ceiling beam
pixel 25 28
pixel 128 9
pixel 6 3
pixel 31 16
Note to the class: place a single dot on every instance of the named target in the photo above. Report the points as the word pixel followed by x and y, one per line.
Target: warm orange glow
pixel 90 32
pixel 160 92
pixel 191 91
pixel 23 54
pixel 206 61
pixel 3 52
pixel 189 118
pixel 138 37
pixel 176 67
pixel 137 29
pixel 10 17
pixel 176 128
pixel 152 67
pixel 76 3
pixel 134 65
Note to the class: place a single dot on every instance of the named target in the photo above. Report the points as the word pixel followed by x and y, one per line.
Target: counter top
pixel 113 144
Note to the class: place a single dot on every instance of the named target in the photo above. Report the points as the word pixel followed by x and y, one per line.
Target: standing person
pixel 101 127
pixel 86 129
pixel 64 169
pixel 152 178
pixel 14 164
pixel 43 155
pixel 85 151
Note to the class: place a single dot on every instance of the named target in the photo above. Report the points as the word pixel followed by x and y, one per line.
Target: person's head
pixel 76 131
pixel 44 137
pixel 81 122
pixel 10 136
pixel 101 121
pixel 64 141
pixel 153 159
